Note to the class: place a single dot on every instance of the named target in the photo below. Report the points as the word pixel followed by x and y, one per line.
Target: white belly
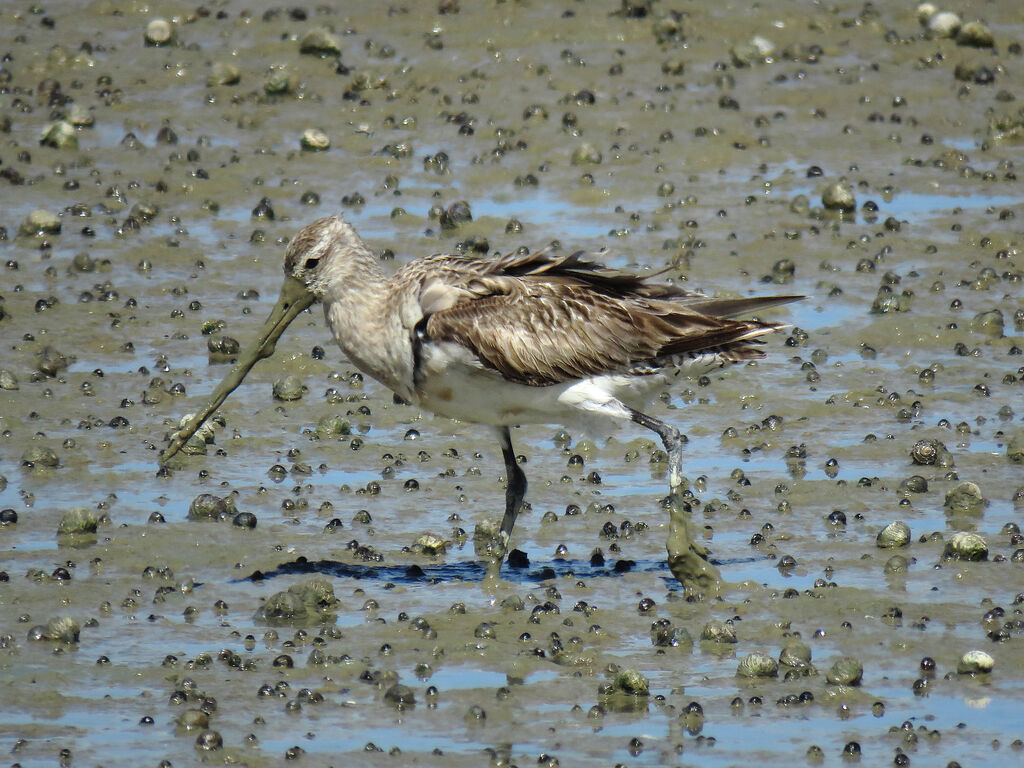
pixel 453 383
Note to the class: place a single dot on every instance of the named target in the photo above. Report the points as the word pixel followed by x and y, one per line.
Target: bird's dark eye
pixel 311 263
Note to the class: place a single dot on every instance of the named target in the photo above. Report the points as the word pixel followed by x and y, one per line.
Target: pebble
pixel 757 50
pixel 62 629
pixel 845 671
pixel 320 42
pixel 205 432
pixel 944 24
pixel 586 154
pixel 193 720
pixel 206 506
pixel 924 12
pixel 244 520
pixel 145 211
pixel 975 662
pixel 78 520
pixel 40 456
pixel 429 544
pixel 40 222
pixel 664 635
pixel 632 682
pixel 839 197
pixel 301 604
pixel 1014 447
pixel 718 632
pixel 59 135
pixel 224 73
pixel 400 696
pixel 914 484
pixel 315 140
pixel 223 349
pixel 965 498
pixel 895 534
pixel 159 32
pixel 757 664
pixel 989 323
pixel 289 388
pixel 277 82
pixel 796 654
pixel 976 35
pixel 209 741
pixel 897 564
pixel 333 425
pixel 80 117
pixel 965 545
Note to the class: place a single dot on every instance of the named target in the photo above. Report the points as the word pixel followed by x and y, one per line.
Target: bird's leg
pixel 514 495
pixel 673 442
pixel 687 559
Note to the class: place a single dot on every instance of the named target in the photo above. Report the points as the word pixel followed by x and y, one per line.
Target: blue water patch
pixel 909 203
pixel 543 208
pixel 334 743
pixel 468 678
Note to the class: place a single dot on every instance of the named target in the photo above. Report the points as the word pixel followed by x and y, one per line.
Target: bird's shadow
pixel 466 571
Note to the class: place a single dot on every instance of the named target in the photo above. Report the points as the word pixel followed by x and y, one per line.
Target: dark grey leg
pixel 514 493
pixel 673 442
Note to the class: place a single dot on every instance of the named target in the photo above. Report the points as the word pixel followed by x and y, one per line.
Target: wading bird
pixel 525 338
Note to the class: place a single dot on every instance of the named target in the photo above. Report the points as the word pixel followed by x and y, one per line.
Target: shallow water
pixel 858 108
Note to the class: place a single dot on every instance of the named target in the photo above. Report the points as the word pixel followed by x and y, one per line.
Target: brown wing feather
pixel 544 317
pixel 545 332
pixel 543 264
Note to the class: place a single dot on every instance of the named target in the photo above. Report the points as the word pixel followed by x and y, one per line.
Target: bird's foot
pixel 696 574
pixel 499 548
pixel 488 541
pixel 688 558
pixel 491 545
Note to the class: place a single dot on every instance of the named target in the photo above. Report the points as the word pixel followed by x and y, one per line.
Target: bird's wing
pixel 544 263
pixel 545 330
pixel 546 317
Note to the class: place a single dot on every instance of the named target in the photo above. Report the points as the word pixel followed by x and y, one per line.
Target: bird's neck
pixel 368 328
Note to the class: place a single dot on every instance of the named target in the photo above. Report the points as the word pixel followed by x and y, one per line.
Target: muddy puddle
pixel 151 218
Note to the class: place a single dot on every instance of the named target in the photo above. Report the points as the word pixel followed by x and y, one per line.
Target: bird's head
pixel 321 251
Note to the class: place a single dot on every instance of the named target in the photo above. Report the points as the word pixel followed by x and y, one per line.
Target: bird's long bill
pixel 294 298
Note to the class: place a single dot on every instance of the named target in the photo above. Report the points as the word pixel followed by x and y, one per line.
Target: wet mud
pixel 324 602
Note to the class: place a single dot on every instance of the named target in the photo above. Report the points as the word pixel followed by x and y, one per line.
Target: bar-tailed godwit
pixel 542 337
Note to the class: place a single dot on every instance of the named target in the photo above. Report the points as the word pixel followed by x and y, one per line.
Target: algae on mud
pixel 712 169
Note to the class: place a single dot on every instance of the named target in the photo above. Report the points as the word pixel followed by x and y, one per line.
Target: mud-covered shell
pixel 632 682
pixel 718 632
pixel 965 498
pixel 966 545
pixel 895 534
pixel 757 664
pixel 847 670
pixel 307 603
